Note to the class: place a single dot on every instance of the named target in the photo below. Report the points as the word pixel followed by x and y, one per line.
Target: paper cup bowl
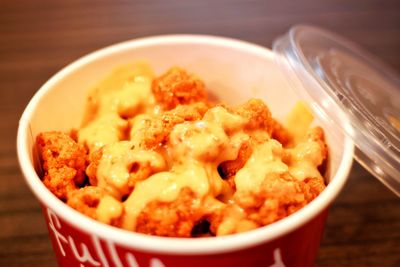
pixel 234 71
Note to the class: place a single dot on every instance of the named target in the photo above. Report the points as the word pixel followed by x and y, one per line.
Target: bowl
pixel 233 71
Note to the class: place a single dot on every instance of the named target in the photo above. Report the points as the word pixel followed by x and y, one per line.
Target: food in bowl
pixel 157 156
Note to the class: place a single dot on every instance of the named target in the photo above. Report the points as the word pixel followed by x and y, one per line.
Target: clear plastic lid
pixel 347 86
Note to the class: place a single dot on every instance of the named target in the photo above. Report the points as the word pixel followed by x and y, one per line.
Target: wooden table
pixel 37 38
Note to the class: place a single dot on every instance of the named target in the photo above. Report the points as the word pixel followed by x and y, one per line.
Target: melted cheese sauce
pixel 113 171
pixel 266 158
pixel 196 149
pixel 109 209
pixel 102 131
pixel 305 159
pixel 108 105
pixel 235 222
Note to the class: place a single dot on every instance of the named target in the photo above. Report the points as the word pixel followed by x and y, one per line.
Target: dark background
pixel 37 38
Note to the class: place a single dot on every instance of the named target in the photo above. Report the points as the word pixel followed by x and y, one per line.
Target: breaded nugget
pixel 182 113
pixel 257 114
pixel 228 169
pixel 96 203
pixel 174 219
pixel 279 196
pixel 280 133
pixel 308 156
pixel 259 125
pixel 64 162
pixel 105 129
pixel 316 134
pixel 152 131
pixel 118 167
pixel 176 87
pixel 86 200
pixel 91 170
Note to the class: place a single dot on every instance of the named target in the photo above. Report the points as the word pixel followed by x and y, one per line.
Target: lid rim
pixel 379 146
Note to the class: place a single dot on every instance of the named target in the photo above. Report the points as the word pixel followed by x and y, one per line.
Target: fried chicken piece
pixel 257 114
pixel 94 202
pixel 190 112
pixel 121 167
pixel 308 156
pixel 316 134
pixel 86 200
pixel 228 169
pixel 259 125
pixel 91 170
pixel 173 219
pixel 280 133
pixel 104 130
pixel 152 131
pixel 176 87
pixel 64 162
pixel 279 196
pixel 230 219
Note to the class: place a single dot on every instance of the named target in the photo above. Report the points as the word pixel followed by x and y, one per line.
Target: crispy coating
pixel 64 162
pixel 257 114
pixel 91 170
pixel 260 126
pixel 316 134
pixel 177 87
pixel 174 219
pixel 228 169
pixel 154 131
pixel 90 200
pixel 138 168
pixel 86 200
pixel 279 196
pixel 280 133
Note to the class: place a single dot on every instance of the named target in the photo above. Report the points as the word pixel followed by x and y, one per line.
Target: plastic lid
pixel 347 86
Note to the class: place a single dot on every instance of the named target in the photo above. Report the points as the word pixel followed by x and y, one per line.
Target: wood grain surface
pixel 37 38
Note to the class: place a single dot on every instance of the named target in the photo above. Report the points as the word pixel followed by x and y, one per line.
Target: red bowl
pixel 233 70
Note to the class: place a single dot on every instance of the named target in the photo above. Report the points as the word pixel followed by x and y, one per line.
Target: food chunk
pixel 174 219
pixel 104 130
pixel 257 115
pixel 119 166
pixel 152 131
pixel 94 202
pixel 228 169
pixel 307 156
pixel 280 133
pixel 64 162
pixel 177 87
pixel 86 200
pixel 279 196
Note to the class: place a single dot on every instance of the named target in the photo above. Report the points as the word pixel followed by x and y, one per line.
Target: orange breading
pixel 279 196
pixel 259 125
pixel 86 200
pixel 91 170
pixel 190 112
pixel 228 169
pixel 257 115
pixel 155 131
pixel 174 219
pixel 176 87
pixel 316 134
pixel 64 162
pixel 138 170
pixel 280 133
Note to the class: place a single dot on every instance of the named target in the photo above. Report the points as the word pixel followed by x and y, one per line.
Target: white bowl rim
pixel 168 245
